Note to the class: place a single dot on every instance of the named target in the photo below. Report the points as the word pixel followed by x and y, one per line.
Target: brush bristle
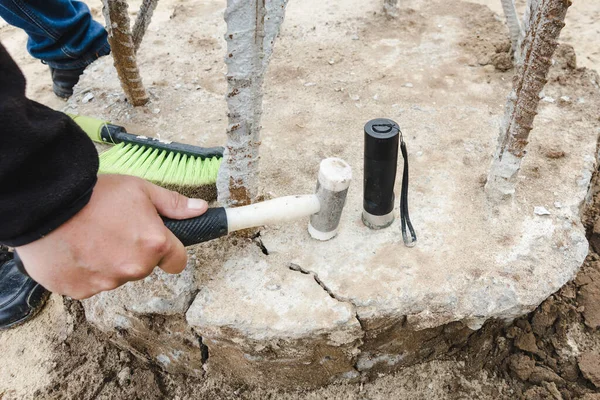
pixel 175 171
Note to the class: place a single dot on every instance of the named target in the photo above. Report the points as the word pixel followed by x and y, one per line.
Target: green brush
pixel 187 169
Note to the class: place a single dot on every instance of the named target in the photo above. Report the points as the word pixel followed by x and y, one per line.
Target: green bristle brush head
pixel 191 176
pixel 187 169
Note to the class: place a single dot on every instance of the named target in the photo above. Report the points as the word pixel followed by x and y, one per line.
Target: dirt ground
pixel 552 353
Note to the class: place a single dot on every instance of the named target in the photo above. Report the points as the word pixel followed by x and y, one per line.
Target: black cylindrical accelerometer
pixel 381 159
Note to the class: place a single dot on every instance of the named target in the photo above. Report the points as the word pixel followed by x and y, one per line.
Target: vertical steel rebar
pixel 545 19
pixel 123 50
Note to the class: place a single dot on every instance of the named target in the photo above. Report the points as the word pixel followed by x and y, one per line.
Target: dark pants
pixel 61 33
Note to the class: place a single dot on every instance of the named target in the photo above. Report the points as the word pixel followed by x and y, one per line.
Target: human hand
pixel 117 237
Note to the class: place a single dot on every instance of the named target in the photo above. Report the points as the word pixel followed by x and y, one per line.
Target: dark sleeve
pixel 48 165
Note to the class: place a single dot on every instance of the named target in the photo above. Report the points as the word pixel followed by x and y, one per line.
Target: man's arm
pixel 76 233
pixel 48 166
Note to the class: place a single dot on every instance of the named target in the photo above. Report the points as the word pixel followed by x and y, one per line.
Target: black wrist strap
pixel 404 217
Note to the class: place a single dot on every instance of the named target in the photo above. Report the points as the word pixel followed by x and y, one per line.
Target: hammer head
pixel 332 187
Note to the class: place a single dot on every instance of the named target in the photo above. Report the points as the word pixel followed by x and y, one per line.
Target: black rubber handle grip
pixel 210 225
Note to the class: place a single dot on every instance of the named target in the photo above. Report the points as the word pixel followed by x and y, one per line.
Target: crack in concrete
pixel 258 241
pixel 204 351
pixel 403 324
pixel 192 298
pixel 298 268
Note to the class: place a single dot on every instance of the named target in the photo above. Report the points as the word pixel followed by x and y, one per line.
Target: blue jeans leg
pixel 61 33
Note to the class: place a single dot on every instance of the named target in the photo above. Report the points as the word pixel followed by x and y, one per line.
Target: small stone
pixel 502 46
pixel 512 332
pixel 178 86
pixel 557 204
pixel 553 390
pixel 569 371
pixel 355 37
pixel 591 396
pixel 355 97
pixel 124 356
pixel 308 84
pixel 548 99
pixel 419 153
pixel 536 393
pixel 87 98
pixel 124 376
pixel 555 154
pixel 502 61
pixel 595 236
pixel 521 365
pixel 583 279
pixel 589 364
pixel 539 210
pixel 581 100
pixel 544 318
pixel 589 298
pixel 156 111
pixel 569 292
pixel 526 342
pixel 542 374
pixel 408 85
pixel 565 98
pixel 524 325
pixel 376 97
pixel 565 57
pixel 551 363
pixel 331 62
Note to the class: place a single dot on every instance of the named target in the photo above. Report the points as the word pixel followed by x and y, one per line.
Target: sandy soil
pixel 547 354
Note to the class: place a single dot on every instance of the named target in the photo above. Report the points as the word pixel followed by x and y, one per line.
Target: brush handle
pixel 103 132
pixel 210 225
pixel 115 134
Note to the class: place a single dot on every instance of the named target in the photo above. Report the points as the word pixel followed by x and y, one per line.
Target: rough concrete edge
pixel 473 323
pixel 116 339
pixel 318 281
pixel 392 361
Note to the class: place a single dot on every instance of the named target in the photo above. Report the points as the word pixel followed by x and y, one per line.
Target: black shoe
pixel 21 298
pixel 63 81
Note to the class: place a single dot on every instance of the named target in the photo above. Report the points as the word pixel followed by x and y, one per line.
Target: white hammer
pixel 324 208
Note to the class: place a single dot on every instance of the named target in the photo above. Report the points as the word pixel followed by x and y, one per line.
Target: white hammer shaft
pixel 276 211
